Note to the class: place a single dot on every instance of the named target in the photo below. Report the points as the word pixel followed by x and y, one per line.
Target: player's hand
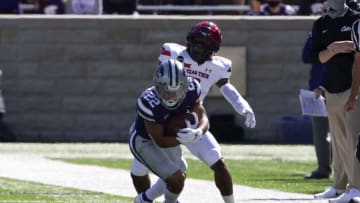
pixel 188 135
pixel 250 121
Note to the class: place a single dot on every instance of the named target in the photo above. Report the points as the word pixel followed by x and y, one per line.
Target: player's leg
pixel 223 178
pixel 159 163
pixel 207 149
pixel 139 172
pixel 174 186
pixel 140 176
pixel 174 154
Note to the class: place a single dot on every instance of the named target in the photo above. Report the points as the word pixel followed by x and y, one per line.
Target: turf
pixel 271 174
pixel 16 191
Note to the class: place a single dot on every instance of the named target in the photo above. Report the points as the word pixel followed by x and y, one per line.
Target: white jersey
pixel 208 73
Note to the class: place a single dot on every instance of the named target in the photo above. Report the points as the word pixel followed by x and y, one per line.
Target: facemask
pixel 337 8
pixel 273 4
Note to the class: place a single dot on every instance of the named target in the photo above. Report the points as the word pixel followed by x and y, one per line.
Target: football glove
pixel 188 135
pixel 250 121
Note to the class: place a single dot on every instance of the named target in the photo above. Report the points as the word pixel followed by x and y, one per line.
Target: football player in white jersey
pixel 201 62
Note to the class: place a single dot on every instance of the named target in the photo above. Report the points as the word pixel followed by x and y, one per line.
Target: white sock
pixel 229 199
pixel 170 197
pixel 156 190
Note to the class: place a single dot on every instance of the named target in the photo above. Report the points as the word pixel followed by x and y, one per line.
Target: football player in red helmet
pixel 203 41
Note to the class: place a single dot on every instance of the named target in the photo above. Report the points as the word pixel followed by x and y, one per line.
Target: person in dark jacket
pixel 320 125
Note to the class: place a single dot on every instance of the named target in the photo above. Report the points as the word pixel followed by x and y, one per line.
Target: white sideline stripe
pixel 118 182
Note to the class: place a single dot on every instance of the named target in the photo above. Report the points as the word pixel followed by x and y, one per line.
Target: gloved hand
pixel 188 135
pixel 250 121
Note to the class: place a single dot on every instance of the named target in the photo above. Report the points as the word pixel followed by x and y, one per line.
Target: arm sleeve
pixel 355 35
pixel 306 50
pixel 315 47
pixel 234 98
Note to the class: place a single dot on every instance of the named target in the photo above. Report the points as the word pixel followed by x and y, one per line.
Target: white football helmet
pixel 171 83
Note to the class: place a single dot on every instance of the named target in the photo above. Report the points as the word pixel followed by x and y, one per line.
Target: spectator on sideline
pixel 9 6
pixel 84 7
pixel 311 7
pixel 255 7
pixel 332 45
pixel 127 7
pixel 320 125
pixel 276 8
pixel 51 7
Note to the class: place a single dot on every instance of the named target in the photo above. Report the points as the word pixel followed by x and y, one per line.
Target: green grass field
pixel 279 167
pixel 17 191
pixel 270 174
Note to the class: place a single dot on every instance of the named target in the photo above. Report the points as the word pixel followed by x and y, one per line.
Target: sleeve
pixel 235 99
pixel 165 53
pixel 315 47
pixel 355 35
pixel 144 110
pixel 170 50
pixel 306 58
pixel 223 67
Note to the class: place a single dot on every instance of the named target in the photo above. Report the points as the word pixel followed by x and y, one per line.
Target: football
pixel 176 122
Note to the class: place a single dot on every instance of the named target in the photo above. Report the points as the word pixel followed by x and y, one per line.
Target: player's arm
pixel 202 116
pixel 240 105
pixel 156 132
pixel 194 131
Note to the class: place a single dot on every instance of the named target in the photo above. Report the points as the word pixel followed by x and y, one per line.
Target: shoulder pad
pixel 144 108
pixel 171 49
pixel 223 62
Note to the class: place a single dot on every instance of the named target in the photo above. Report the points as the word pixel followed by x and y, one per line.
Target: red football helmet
pixel 207 32
pixel 203 40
